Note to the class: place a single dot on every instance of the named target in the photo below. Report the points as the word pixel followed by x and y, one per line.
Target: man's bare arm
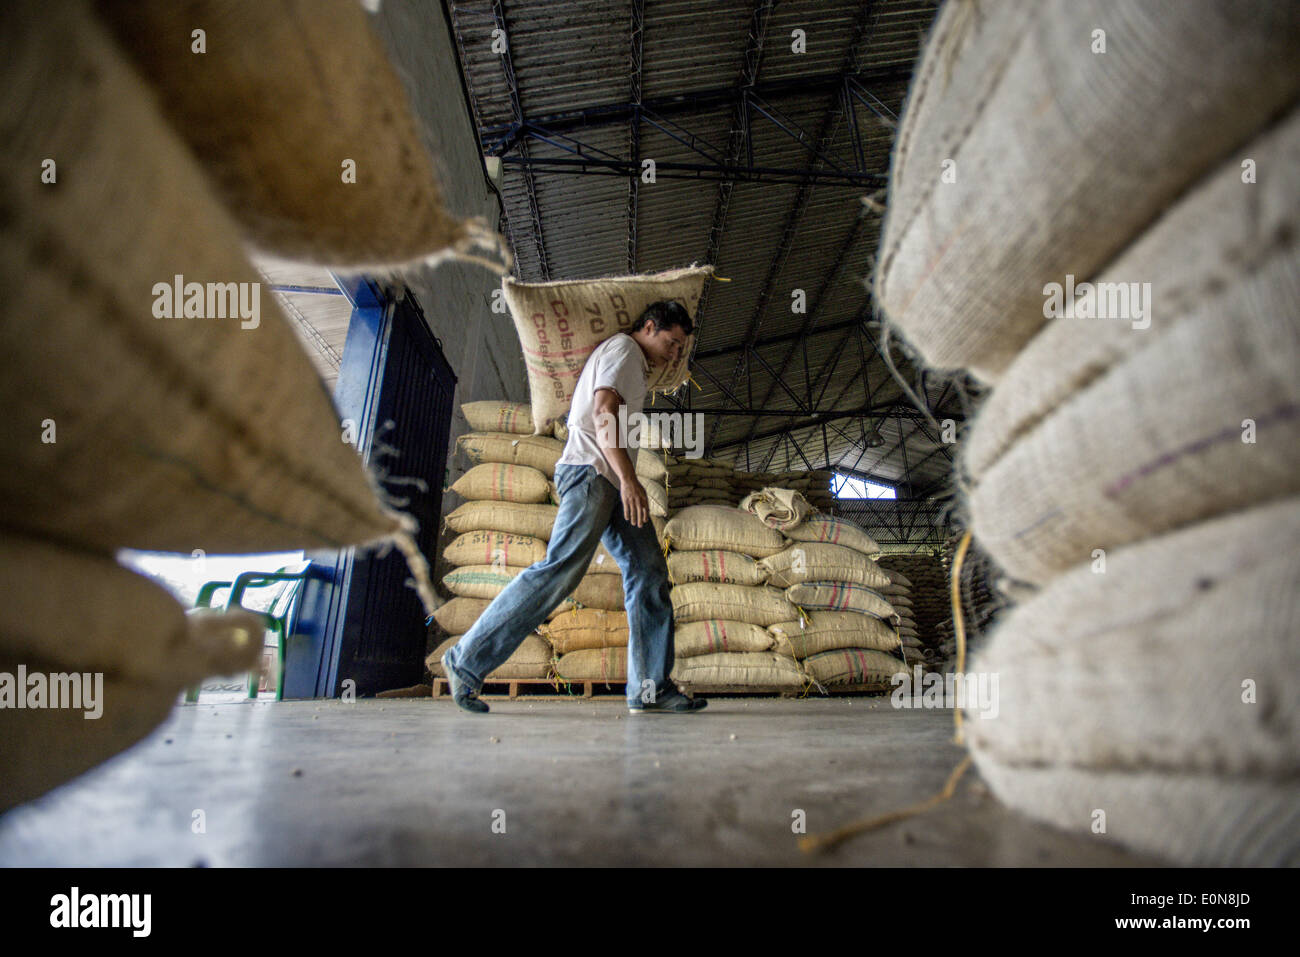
pixel 636 504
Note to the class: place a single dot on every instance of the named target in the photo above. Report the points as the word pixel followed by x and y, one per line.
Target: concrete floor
pixel 417 782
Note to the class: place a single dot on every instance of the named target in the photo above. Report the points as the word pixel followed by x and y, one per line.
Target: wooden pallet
pixel 783 690
pixel 441 688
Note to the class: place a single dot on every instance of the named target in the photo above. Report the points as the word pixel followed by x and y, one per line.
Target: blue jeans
pixel 591 512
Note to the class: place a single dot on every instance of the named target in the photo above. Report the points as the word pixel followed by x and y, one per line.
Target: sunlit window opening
pixel 846 486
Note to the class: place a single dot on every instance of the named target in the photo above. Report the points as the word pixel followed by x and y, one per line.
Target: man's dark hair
pixel 666 314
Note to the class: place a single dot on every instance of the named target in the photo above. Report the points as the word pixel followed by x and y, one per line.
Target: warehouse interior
pixel 860 203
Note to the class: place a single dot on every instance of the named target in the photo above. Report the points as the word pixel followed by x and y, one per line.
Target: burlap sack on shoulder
pixel 560 324
pixel 536 451
pixel 274 76
pixel 489 415
pixel 714 565
pixel 828 630
pixel 490 547
pixel 1173 667
pixel 716 635
pixel 1212 252
pixel 820 562
pixel 703 527
pixel 1204 420
pixel 756 669
pixel 964 260
pixel 845 666
pixel 586 628
pixel 123 427
pixel 757 605
pixel 834 531
pixel 534 521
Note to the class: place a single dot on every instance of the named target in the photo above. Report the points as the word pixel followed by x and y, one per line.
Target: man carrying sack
pixel 601 501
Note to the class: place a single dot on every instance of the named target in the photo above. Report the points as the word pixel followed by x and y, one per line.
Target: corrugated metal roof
pixel 567 70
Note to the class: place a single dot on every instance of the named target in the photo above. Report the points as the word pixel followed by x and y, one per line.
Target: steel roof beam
pixel 491 137
pixel 795 215
pixel 636 34
pixel 530 185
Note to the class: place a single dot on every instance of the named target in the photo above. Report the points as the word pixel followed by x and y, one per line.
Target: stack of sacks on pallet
pixel 898 593
pixel 721 606
pixel 714 482
pixel 929 592
pixel 1138 460
pixel 650 462
pixel 591 643
pixel 845 628
pixel 504 526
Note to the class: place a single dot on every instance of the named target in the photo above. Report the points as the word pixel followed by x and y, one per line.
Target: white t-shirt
pixel 619 364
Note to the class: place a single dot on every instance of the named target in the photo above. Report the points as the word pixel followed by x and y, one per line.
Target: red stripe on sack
pixel 553 373
pixel 583 351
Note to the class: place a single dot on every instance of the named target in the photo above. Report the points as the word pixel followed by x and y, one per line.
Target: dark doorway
pixel 361 623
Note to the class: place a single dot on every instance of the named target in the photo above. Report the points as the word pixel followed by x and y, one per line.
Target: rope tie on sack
pixel 959 627
pixel 823 842
pixel 805 619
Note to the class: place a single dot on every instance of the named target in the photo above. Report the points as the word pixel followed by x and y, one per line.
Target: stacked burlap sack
pixel 504 526
pixel 921 585
pixel 130 422
pixel 846 629
pixel 760 608
pixel 715 482
pixel 898 593
pixel 721 604
pixel 1140 470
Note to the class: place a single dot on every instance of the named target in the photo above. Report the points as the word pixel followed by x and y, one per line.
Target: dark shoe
pixel 672 703
pixel 468 700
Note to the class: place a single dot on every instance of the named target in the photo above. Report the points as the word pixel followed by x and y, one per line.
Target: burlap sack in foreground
pixel 1026 153
pixel 296 114
pixel 136 417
